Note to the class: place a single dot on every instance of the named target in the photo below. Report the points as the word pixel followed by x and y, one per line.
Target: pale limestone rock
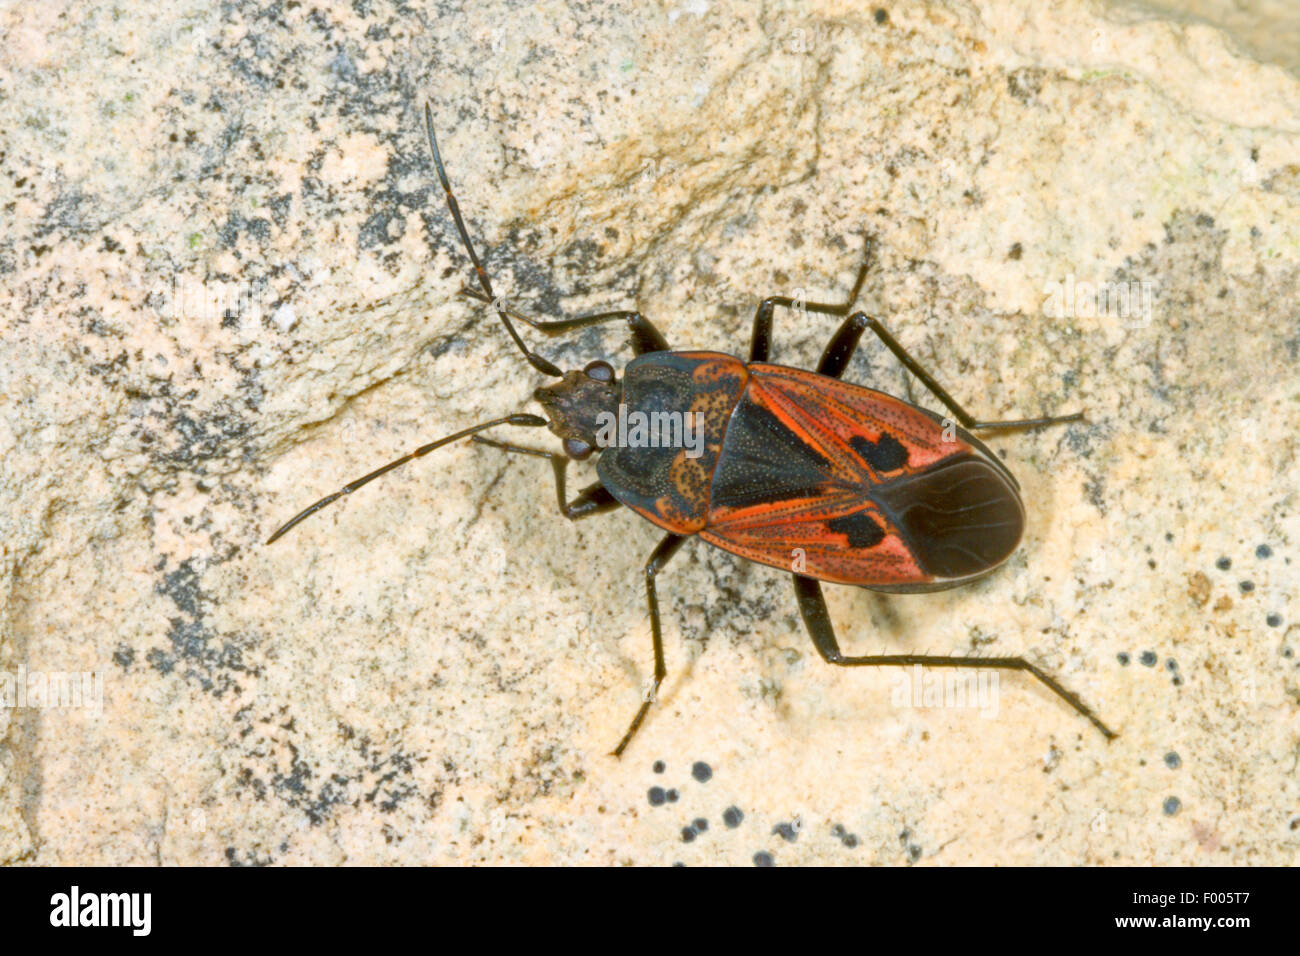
pixel 228 286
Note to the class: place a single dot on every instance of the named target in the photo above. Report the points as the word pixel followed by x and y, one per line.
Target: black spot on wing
pixel 861 529
pixel 763 460
pixel 959 517
pixel 887 454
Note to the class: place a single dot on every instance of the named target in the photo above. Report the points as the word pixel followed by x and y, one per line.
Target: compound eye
pixel 600 371
pixel 577 449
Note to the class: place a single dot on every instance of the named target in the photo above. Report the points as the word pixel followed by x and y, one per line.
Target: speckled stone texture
pixel 228 285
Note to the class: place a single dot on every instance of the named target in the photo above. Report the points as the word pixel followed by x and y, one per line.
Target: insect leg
pixel 645 337
pixel 760 340
pixel 658 558
pixel 812 606
pixel 845 340
pixel 592 500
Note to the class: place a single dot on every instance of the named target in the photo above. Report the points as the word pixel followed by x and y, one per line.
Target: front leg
pixel 592 500
pixel 658 558
pixel 812 607
pixel 645 337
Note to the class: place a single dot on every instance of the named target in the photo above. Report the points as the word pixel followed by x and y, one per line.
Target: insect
pixel 797 470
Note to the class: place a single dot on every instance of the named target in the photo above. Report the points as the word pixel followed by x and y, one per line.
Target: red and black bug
pixel 797 470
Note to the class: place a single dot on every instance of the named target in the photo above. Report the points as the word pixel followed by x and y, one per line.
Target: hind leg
pixel 812 607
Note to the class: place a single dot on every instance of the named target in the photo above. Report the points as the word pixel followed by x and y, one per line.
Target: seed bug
pixel 865 488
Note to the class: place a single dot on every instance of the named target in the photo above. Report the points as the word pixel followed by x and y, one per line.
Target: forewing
pixel 793 486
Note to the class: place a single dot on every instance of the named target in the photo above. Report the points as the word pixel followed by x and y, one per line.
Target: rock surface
pixel 228 285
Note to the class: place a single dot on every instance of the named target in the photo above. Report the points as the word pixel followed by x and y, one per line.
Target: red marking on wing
pixel 806 544
pixel 835 412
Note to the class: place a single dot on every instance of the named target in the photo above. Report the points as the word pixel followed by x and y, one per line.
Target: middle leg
pixel 845 340
pixel 760 341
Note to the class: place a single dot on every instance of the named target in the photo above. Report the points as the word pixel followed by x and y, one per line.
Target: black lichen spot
pixel 701 771
pixel 700 824
pixel 913 853
pixel 1224 563
pixel 672 796
pixel 886 454
pixel 732 817
pixel 1148 659
pixel 161 661
pixel 844 836
pixel 786 831
pixel 197 652
pixel 182 586
pixel 1095 489
pixel 1172 805
pixel 64 214
pixel 881 15
pixel 688 834
pixel 1246 586
pixel 212 436
pixel 1123 658
pixel 1016 252
pixel 860 528
pixel 1025 84
pixel 249 859
pixel 124 656
pixel 659 766
pixel 1273 620
pixel 382 228
pixel 392 773
pixel 280 208
pixel 228 233
pixel 763 858
pixel 656 796
pixel 1263 551
pixel 1173 761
